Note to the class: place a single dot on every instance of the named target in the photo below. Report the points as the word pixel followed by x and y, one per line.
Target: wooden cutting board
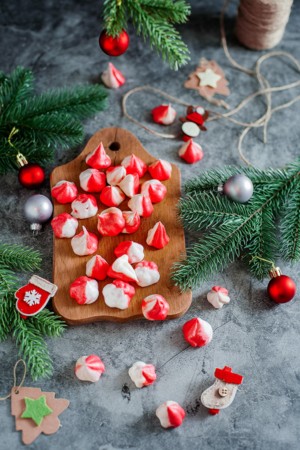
pixel 118 143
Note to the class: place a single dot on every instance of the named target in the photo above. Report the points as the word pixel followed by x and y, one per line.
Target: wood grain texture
pixel 68 266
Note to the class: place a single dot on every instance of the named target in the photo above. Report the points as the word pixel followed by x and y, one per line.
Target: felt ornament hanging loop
pixel 35 411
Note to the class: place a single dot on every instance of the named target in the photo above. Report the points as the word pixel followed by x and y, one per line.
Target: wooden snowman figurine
pixel 221 394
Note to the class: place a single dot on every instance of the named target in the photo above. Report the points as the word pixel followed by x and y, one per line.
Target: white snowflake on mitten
pixel 32 297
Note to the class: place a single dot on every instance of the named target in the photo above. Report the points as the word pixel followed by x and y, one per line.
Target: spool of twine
pixel 260 24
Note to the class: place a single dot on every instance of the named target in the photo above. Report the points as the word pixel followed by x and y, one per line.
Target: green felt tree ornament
pixel 264 228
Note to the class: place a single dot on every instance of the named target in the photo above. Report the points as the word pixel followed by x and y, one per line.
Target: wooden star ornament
pixel 208 79
pixel 36 412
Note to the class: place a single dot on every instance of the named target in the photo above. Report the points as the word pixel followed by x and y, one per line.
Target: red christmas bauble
pixel 281 289
pixel 114 46
pixel 31 175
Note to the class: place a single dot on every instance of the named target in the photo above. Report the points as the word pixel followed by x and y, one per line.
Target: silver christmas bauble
pixel 238 188
pixel 37 210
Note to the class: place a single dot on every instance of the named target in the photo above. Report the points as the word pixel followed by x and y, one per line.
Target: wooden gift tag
pixel 118 143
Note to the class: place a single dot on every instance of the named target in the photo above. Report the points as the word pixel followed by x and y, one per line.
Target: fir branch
pixel 6 312
pixel 114 15
pixel 15 89
pixel 290 226
pixel 208 209
pixel 20 257
pixel 7 281
pixel 174 11
pixel 48 324
pixel 161 34
pixel 250 227
pixel 32 347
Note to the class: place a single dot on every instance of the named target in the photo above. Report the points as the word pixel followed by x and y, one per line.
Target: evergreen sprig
pixel 230 230
pixel 154 20
pixel 43 122
pixel 28 333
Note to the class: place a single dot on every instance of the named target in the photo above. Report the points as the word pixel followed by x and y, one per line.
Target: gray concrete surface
pixel 58 40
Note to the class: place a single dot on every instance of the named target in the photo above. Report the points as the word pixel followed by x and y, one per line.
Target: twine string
pixel 15 379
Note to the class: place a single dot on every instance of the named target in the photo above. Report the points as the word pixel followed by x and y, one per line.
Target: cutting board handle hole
pixel 115 146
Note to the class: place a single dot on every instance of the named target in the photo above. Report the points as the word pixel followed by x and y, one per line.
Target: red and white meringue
pixel 122 270
pixel 64 225
pixel 89 368
pixel 141 204
pixel 130 184
pixel 118 294
pixel 134 164
pixel 197 332
pixel 98 158
pixel 64 191
pixel 84 290
pixel 157 236
pixel 115 174
pixel 112 196
pixel 91 180
pixel 218 296
pixel 191 152
pixel 155 189
pixel 160 170
pixel 84 243
pixel 147 273
pixel 97 268
pixel 84 206
pixel 155 307
pixel 142 374
pixel 163 114
pixel 110 222
pixel 132 222
pixel 133 250
pixel 112 77
pixel 170 414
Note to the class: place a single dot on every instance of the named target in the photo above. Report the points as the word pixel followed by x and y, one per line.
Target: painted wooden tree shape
pixel 118 144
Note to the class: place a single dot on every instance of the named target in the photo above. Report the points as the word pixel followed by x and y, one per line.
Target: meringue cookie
pixel 191 152
pixel 160 170
pixel 133 250
pixel 218 296
pixel 155 189
pixel 155 307
pixel 112 77
pixel 84 206
pixel 141 204
pixel 64 191
pixel 84 243
pixel 110 222
pixel 170 414
pixel 112 196
pixel 64 225
pixel 118 294
pixel 97 268
pixel 89 368
pixel 122 270
pixel 91 180
pixel 157 236
pixel 132 222
pixel 197 332
pixel 115 174
pixel 84 290
pixel 134 164
pixel 130 184
pixel 98 159
pixel 142 374
pixel 147 273
pixel 163 114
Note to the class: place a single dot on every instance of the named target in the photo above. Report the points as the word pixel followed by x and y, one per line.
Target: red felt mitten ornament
pixel 281 288
pixel 34 296
pixel 114 46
